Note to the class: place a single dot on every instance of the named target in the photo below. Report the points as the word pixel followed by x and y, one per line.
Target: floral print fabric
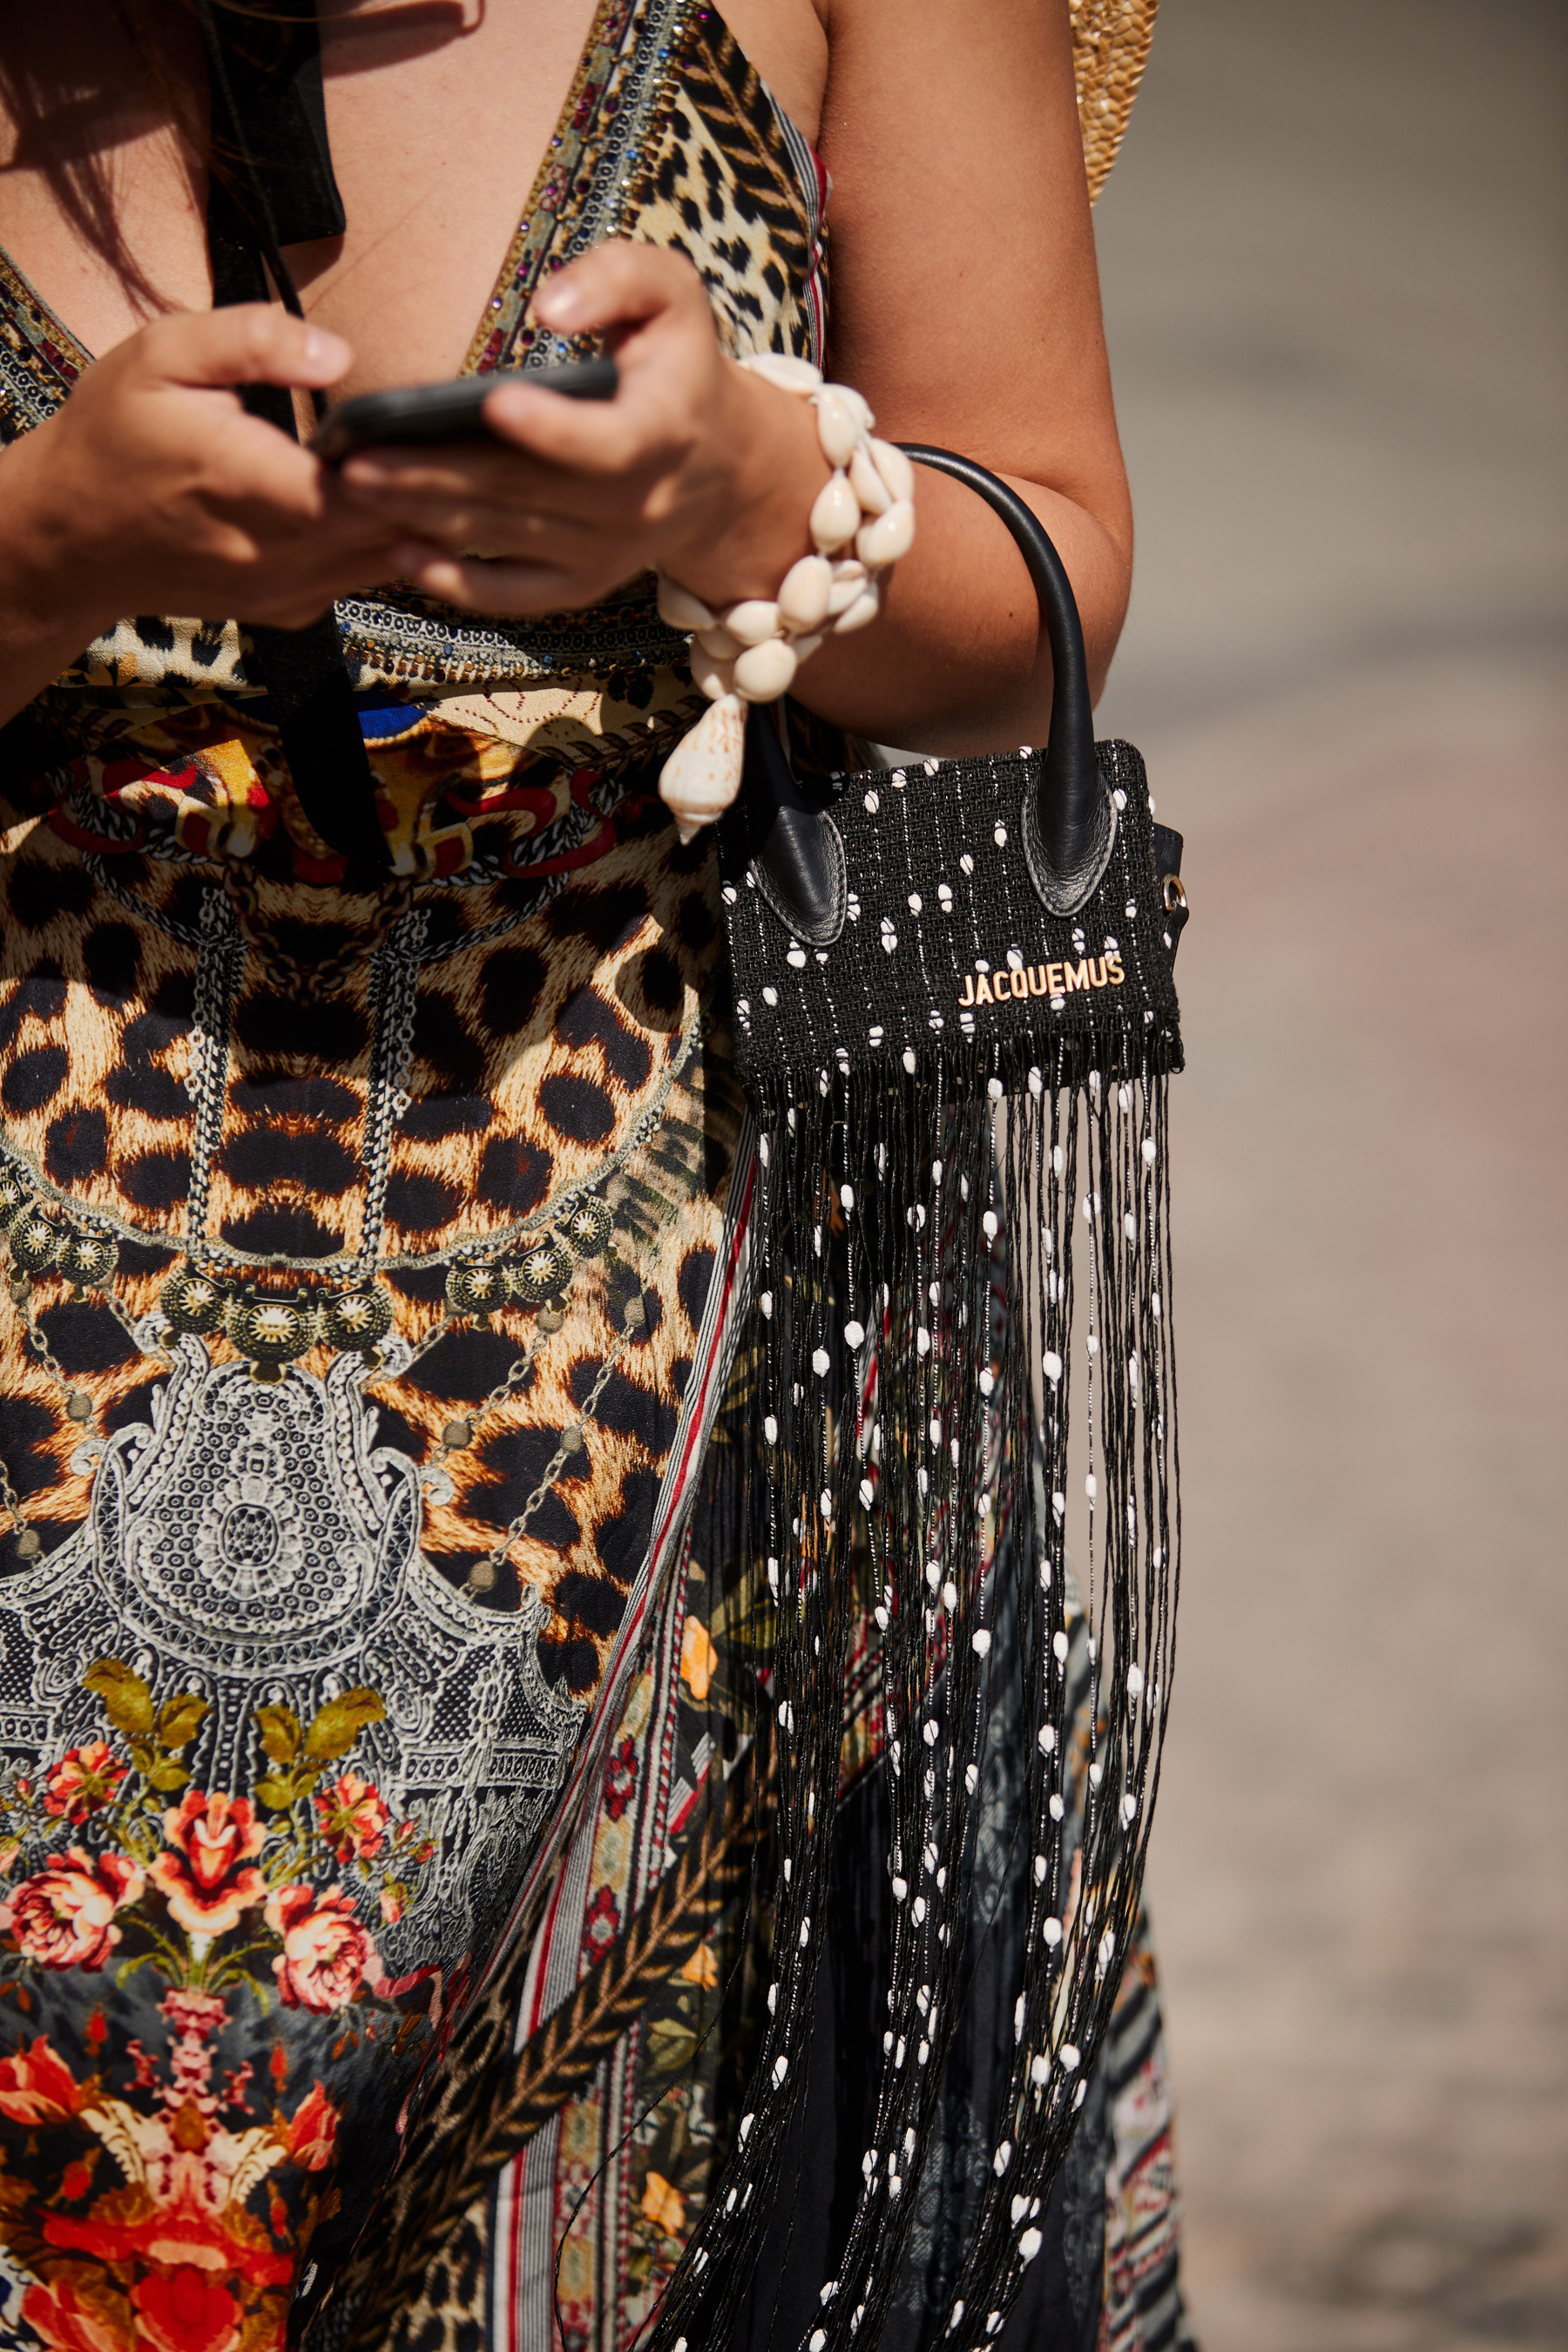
pixel 170 2181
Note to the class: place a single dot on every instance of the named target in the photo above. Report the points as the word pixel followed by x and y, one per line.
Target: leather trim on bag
pixel 1064 894
pixel 798 841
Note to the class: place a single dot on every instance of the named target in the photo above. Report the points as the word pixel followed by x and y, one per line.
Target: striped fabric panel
pixel 1143 2309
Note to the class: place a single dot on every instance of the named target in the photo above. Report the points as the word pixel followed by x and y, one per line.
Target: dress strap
pixel 271 184
pixel 270 123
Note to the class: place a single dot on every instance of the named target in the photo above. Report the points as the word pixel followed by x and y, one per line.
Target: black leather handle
pixel 792 849
pixel 1071 794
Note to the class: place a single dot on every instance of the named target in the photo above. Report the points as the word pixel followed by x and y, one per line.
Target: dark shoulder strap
pixel 270 121
pixel 271 184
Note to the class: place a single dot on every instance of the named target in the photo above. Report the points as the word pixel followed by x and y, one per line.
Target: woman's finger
pixel 577 437
pixel 649 302
pixel 255 476
pixel 503 589
pixel 462 469
pixel 554 434
pixel 615 285
pixel 245 343
pixel 510 525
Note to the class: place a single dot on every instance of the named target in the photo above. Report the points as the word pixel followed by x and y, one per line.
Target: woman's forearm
pixel 958 659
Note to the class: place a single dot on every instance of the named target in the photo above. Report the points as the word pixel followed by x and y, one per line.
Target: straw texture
pixel 1110 42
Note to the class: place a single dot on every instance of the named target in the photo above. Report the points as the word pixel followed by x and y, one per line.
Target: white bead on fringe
pixel 862 520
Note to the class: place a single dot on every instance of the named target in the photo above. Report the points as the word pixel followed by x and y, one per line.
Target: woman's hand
pixel 152 490
pixel 696 467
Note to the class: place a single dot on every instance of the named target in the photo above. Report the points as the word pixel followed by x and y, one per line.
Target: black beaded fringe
pixel 887 1216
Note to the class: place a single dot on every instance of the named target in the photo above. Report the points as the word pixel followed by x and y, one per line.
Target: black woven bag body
pixel 947 948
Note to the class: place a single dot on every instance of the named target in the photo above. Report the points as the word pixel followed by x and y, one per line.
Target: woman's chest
pixel 437 154
pixel 440 133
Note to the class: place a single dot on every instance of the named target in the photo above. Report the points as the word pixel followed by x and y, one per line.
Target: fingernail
pixel 558 305
pixel 325 350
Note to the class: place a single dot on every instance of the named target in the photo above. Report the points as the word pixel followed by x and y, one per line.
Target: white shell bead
pixel 714 677
pixel 866 608
pixel 867 485
pixel 834 514
pixel 804 592
pixel 702 775
pixel 860 405
pixel 720 642
pixel 778 367
pixel 850 581
pixel 838 429
pixel 895 469
pixel 888 536
pixel 803 647
pixel 752 620
pixel 763 672
pixel 681 608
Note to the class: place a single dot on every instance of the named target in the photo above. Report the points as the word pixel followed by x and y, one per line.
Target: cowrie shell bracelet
pixel 862 520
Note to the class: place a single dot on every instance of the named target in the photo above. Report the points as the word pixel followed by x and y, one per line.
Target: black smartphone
pixel 448 412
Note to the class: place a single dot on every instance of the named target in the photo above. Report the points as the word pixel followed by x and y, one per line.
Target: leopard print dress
pixel 375 1259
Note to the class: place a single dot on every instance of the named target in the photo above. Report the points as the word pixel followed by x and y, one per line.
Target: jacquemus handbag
pixel 957 1021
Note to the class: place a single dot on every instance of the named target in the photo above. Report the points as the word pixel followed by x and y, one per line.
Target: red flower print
pixel 311 2130
pixel 186 2311
pixel 600 1923
pixel 621 1778
pixel 83 1781
pixel 195 2016
pixel 326 1953
pixel 197 2019
pixel 207 1888
pixel 78 2310
pixel 446 2007
pixel 145 2063
pixel 64 1916
pixel 178 2231
pixel 36 2086
pixel 411 1843
pixel 353 1817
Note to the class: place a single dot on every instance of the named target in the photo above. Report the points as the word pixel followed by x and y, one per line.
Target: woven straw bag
pixel 1110 42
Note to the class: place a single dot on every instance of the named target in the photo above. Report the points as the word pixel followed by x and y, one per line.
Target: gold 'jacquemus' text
pixel 1042 980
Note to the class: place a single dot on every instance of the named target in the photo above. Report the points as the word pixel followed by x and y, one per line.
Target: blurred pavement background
pixel 1333 257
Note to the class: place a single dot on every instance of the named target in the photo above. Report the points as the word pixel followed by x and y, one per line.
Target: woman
pixel 385 1835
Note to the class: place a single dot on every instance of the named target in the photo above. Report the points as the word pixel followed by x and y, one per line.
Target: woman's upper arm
pixel 965 300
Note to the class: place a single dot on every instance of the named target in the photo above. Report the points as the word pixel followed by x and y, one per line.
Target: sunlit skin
pixel 964 306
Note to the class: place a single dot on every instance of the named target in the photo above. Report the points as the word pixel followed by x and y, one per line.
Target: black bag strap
pixel 1072 795
pixel 265 80
pixel 795 850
